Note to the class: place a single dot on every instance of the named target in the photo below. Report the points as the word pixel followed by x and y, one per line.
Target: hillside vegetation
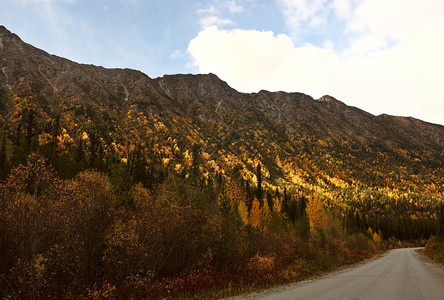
pixel 114 184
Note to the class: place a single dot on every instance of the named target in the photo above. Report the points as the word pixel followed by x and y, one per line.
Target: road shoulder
pixel 428 261
pixel 317 276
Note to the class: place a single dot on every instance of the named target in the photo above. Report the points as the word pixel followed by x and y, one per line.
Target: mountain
pixel 115 184
pixel 294 135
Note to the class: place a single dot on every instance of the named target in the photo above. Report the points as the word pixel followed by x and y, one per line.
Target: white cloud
pixel 343 8
pixel 375 22
pixel 176 54
pixel 207 10
pixel 393 64
pixel 233 7
pixel 300 12
pixel 218 13
pixel 317 21
pixel 215 21
pixel 251 60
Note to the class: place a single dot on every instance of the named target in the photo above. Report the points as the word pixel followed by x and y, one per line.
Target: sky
pixel 383 56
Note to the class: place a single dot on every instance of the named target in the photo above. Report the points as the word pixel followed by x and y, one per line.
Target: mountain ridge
pixel 124 105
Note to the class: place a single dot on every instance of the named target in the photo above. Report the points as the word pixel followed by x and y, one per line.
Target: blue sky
pixel 383 56
pixel 148 35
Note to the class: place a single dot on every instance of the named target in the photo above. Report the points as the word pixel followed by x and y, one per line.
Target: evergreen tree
pixel 285 202
pixel 4 165
pixel 259 191
pixel 21 149
pixel 138 166
pixel 250 197
pixel 92 150
pixel 18 135
pixel 56 130
pixel 292 210
pixel 30 131
pixel 441 221
pixel 195 161
pixel 50 150
pixel 80 155
pixel 302 205
pixel 269 200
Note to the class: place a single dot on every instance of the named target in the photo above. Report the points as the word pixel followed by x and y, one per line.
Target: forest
pixel 193 210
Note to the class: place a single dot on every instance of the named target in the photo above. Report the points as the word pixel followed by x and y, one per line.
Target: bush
pixel 434 249
pixel 357 241
pixel 261 268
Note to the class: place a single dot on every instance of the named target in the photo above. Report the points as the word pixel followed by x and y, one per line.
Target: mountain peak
pixel 329 99
pixel 5 32
pixel 3 29
pixel 201 77
pixel 332 103
pixel 195 86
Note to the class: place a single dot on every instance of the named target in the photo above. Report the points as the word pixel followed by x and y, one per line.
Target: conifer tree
pixel 302 205
pixel 195 161
pixel 249 200
pixel 285 201
pixel 80 155
pixel 4 165
pixel 18 135
pixel 92 150
pixel 441 222
pixel 30 130
pixel 139 166
pixel 259 191
pixel 50 150
pixel 55 131
pixel 21 147
pixel 269 200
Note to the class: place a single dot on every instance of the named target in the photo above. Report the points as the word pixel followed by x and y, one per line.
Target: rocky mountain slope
pixel 126 106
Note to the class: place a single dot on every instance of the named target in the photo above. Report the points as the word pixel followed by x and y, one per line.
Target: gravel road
pixel 399 274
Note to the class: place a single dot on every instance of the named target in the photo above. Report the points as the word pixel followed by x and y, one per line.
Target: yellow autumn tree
pixel 316 213
pixel 243 212
pixel 255 214
pixel 265 212
pixel 377 239
pixel 277 205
